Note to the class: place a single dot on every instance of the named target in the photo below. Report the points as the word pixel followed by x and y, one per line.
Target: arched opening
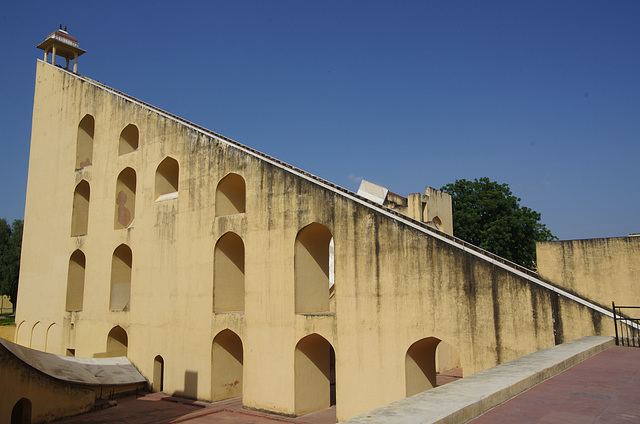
pixel 80 211
pixel 21 412
pixel 128 140
pixel 21 334
pixel 226 366
pixel 38 335
pixel 437 222
pixel 158 374
pixel 84 146
pixel 167 179
pixel 121 278
pixel 125 198
pixel 315 383
pixel 312 281
pixel 228 274
pixel 117 342
pixel 424 360
pixel 53 331
pixel 75 281
pixel 230 195
pixel 448 364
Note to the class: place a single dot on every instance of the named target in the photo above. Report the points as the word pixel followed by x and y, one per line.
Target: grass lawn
pixel 4 320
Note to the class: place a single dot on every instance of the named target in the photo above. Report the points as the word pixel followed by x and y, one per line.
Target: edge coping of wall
pixel 470 397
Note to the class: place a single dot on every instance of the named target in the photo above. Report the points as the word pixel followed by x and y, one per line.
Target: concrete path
pixel 591 382
pixel 469 397
pixel 602 389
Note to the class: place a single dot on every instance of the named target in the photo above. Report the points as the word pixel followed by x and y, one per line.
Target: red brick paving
pixel 448 376
pixel 158 408
pixel 602 389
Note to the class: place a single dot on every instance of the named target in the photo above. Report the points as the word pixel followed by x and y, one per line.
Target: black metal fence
pixel 627 328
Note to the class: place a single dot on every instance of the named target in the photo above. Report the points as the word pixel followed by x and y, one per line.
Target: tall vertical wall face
pixel 396 281
pixel 604 270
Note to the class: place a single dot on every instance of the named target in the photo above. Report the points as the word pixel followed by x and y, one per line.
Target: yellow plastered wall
pixel 45 398
pixel 395 284
pixel 604 270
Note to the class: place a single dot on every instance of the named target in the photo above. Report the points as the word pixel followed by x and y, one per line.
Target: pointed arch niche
pixel 128 140
pixel 21 412
pixel 84 146
pixel 231 195
pixel 424 360
pixel 125 207
pixel 167 175
pixel 315 382
pixel 228 274
pixel 117 342
pixel 121 278
pixel 158 374
pixel 75 281
pixel 226 366
pixel 80 210
pixel 312 271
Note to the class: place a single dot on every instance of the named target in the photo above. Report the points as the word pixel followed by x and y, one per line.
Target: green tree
pixel 10 247
pixel 488 215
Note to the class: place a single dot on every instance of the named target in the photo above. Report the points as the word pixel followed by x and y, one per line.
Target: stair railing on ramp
pixel 627 328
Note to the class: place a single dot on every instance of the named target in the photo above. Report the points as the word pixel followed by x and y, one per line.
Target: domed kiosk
pixel 60 43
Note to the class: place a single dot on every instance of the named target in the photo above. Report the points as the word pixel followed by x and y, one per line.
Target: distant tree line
pixel 10 247
pixel 486 214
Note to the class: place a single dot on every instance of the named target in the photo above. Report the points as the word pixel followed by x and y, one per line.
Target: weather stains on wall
pixel 203 213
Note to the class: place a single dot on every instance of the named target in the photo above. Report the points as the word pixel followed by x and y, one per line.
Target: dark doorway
pixel 21 413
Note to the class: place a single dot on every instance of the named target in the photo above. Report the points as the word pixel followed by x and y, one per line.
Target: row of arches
pixel 314 366
pixel 128 142
pixel 314 362
pixel 38 335
pixel 313 274
pixel 314 369
pixel 314 373
pixel 120 289
pixel 230 195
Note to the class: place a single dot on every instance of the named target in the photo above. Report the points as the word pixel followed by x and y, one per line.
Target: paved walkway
pixel 602 389
pixel 159 408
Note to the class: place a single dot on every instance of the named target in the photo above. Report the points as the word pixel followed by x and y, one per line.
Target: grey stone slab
pixel 469 397
pixel 90 371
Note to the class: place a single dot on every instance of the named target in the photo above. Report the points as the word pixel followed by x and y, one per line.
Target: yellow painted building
pixel 603 270
pixel 222 272
pixel 6 307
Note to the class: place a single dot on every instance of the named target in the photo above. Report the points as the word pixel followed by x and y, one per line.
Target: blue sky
pixel 543 96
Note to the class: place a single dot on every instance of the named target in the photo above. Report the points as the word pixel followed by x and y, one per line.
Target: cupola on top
pixel 60 43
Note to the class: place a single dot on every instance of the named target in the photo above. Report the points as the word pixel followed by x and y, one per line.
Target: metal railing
pixel 627 328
